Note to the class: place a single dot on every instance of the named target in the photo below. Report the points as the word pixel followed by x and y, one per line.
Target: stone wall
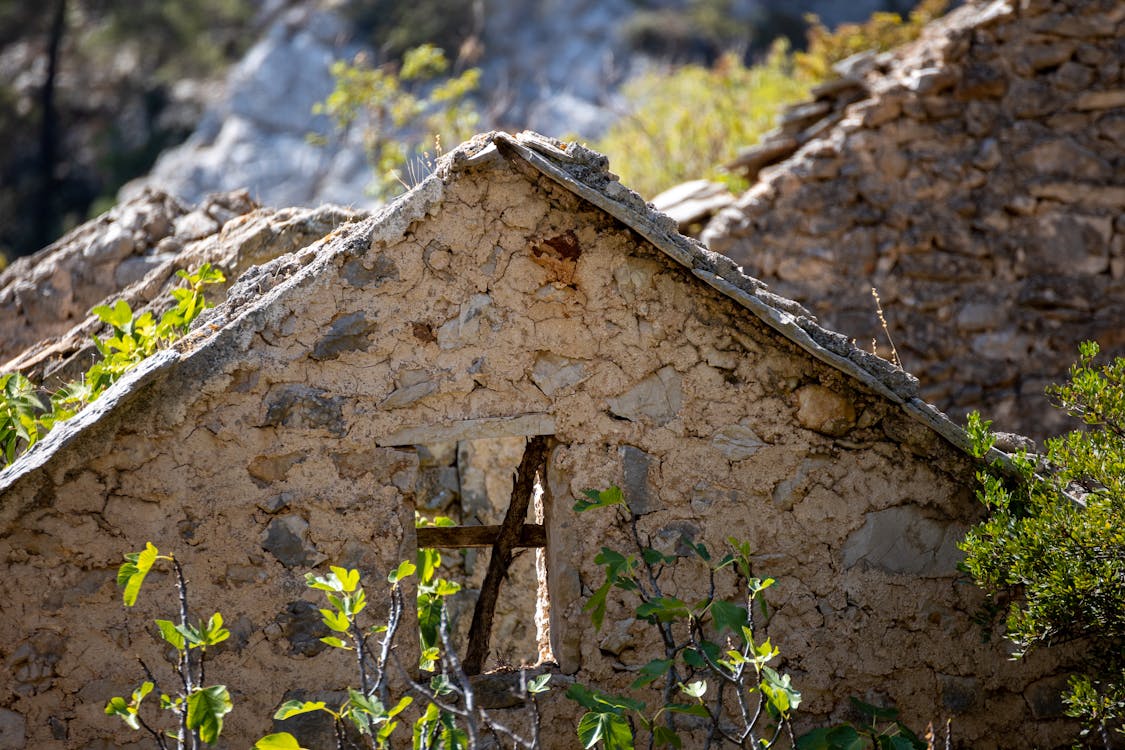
pixel 975 178
pixel 493 303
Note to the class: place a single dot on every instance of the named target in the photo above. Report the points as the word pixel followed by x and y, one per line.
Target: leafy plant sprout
pixel 452 719
pixel 25 418
pixel 365 709
pixel 714 675
pixel 198 709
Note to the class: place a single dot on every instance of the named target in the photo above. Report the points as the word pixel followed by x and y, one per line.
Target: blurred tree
pixel 84 87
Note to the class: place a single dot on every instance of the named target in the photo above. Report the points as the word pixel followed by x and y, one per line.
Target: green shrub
pixel 881 32
pixel 198 710
pixel 396 27
pixel 686 123
pixel 1053 545
pixel 714 675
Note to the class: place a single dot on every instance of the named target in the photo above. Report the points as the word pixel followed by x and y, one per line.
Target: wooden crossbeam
pixel 463 537
pixel 480 632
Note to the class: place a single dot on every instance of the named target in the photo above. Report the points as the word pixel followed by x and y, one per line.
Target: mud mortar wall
pixel 283 442
pixel 977 183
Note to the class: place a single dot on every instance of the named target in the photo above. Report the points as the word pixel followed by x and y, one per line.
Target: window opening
pixel 506 580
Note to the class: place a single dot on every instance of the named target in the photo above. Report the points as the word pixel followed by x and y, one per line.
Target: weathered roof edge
pixel 574 167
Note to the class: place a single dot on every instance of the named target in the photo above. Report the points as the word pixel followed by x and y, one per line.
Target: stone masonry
pixel 976 178
pixel 519 291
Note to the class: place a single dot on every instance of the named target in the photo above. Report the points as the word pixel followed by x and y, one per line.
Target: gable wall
pixel 272 448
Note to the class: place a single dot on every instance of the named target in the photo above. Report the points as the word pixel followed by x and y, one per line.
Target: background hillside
pixel 92 92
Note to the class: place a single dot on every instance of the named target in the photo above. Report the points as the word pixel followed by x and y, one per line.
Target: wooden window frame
pixel 504 540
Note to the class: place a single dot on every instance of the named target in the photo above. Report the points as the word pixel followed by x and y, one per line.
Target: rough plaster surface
pixel 498 302
pixel 974 178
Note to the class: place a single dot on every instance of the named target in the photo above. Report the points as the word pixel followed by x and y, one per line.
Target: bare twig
pixel 886 330
pixel 186 737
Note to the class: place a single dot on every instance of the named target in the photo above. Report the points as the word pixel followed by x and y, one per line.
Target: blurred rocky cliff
pixel 93 92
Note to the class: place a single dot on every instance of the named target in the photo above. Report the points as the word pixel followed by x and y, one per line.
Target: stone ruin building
pixel 519 293
pixel 976 178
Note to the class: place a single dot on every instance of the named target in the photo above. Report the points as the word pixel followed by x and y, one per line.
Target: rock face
pixel 255 137
pixel 560 83
pixel 975 178
pixel 269 440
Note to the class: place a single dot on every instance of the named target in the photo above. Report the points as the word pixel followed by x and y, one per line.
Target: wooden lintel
pixel 460 537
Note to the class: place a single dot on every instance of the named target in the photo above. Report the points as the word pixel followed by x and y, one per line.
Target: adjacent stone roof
pixel 132 253
pixel 253 299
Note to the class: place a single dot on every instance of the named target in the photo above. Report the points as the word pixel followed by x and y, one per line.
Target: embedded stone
pixel 114 243
pixel 553 373
pixel 383 269
pixel 303 407
pixel 824 411
pixel 770 151
pixel 286 538
pixel 13 730
pixel 266 469
pixel 437 487
pixel 657 398
pixel 466 326
pixel 413 385
pixel 903 540
pixel 1037 57
pixel 1064 156
pixel 619 637
pixel 347 333
pixel 1044 697
pixel 980 316
pixel 788 492
pixel 737 442
pixel 303 627
pixel 32 664
pixel 635 467
pixel 1074 244
pixel 959 694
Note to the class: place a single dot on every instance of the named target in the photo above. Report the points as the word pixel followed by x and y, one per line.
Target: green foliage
pixel 432 592
pixel 714 666
pixel 396 26
pixel 25 418
pixel 880 730
pixel 1053 544
pixel 366 709
pixel 19 406
pixel 449 720
pixel 405 110
pixel 686 123
pixel 700 31
pixel 198 710
pixel 883 31
pixel 173 40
